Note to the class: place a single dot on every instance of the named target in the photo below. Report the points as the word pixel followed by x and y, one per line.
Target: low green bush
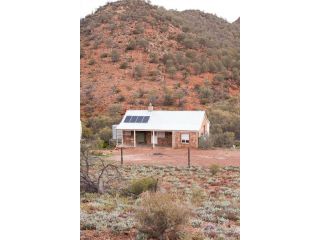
pixel 139 186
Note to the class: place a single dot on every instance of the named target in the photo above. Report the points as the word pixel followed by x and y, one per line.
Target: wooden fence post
pixel 189 157
pixel 121 156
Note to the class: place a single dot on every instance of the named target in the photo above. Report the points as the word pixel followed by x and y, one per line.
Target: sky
pixel 227 9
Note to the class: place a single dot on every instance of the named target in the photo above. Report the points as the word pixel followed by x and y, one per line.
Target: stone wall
pixel 170 139
pixel 128 137
pixel 193 139
pixel 166 141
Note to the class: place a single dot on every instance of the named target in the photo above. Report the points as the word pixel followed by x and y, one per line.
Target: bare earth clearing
pixel 178 157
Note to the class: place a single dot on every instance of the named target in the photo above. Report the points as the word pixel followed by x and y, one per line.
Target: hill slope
pixel 134 53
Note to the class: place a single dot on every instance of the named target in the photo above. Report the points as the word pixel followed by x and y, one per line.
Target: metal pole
pixel 121 156
pixel 188 156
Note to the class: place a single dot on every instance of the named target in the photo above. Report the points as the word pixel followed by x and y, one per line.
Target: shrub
pixel 153 97
pixel 131 45
pixel 212 67
pixel 180 37
pixel 214 168
pixel 205 142
pixel 138 71
pixel 153 58
pixel 140 93
pixel 115 56
pixel 225 115
pixel 172 71
pixel 196 68
pixel 205 95
pixel 168 98
pixel 189 43
pixel 168 59
pixel 224 139
pixel 139 29
pixel 180 96
pixel 105 134
pixel 159 212
pixel 219 77
pixel 86 132
pixel 143 43
pixel 139 186
pixel 115 109
pixel 164 28
pixel 120 98
pixel 123 65
pixel 198 195
pixel 191 54
pixel 104 55
pixel 91 62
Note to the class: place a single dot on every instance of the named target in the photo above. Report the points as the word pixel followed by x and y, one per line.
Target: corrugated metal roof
pixel 165 120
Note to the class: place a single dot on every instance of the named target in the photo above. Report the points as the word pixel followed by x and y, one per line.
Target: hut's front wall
pixel 169 139
pixel 193 139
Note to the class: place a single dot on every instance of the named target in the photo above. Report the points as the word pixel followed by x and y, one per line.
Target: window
pixel 161 135
pixel 185 138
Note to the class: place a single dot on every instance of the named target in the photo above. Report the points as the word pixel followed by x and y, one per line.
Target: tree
pixel 96 174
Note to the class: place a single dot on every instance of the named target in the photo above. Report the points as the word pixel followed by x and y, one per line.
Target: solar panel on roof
pixel 133 119
pixel 145 119
pixel 139 119
pixel 127 119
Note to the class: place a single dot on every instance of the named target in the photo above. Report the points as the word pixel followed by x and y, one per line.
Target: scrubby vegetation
pixel 139 186
pixel 189 203
pixel 161 214
pixel 98 130
pixel 165 47
pixel 225 132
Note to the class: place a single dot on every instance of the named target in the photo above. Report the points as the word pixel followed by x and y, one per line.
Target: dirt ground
pixel 178 157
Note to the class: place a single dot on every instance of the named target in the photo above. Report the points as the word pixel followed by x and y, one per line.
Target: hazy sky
pixel 227 9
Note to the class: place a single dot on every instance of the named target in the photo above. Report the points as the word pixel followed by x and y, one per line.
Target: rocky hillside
pixel 133 53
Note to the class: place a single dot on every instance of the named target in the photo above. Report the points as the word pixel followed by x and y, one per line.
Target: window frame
pixel 185 140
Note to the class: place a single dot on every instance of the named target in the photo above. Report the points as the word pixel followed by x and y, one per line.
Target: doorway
pixel 141 137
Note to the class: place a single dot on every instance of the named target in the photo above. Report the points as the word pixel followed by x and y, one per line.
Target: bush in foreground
pixel 161 213
pixel 139 186
pixel 214 169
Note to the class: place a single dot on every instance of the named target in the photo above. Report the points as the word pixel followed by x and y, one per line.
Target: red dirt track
pixel 178 157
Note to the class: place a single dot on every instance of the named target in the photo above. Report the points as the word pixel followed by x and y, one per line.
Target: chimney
pixel 150 107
